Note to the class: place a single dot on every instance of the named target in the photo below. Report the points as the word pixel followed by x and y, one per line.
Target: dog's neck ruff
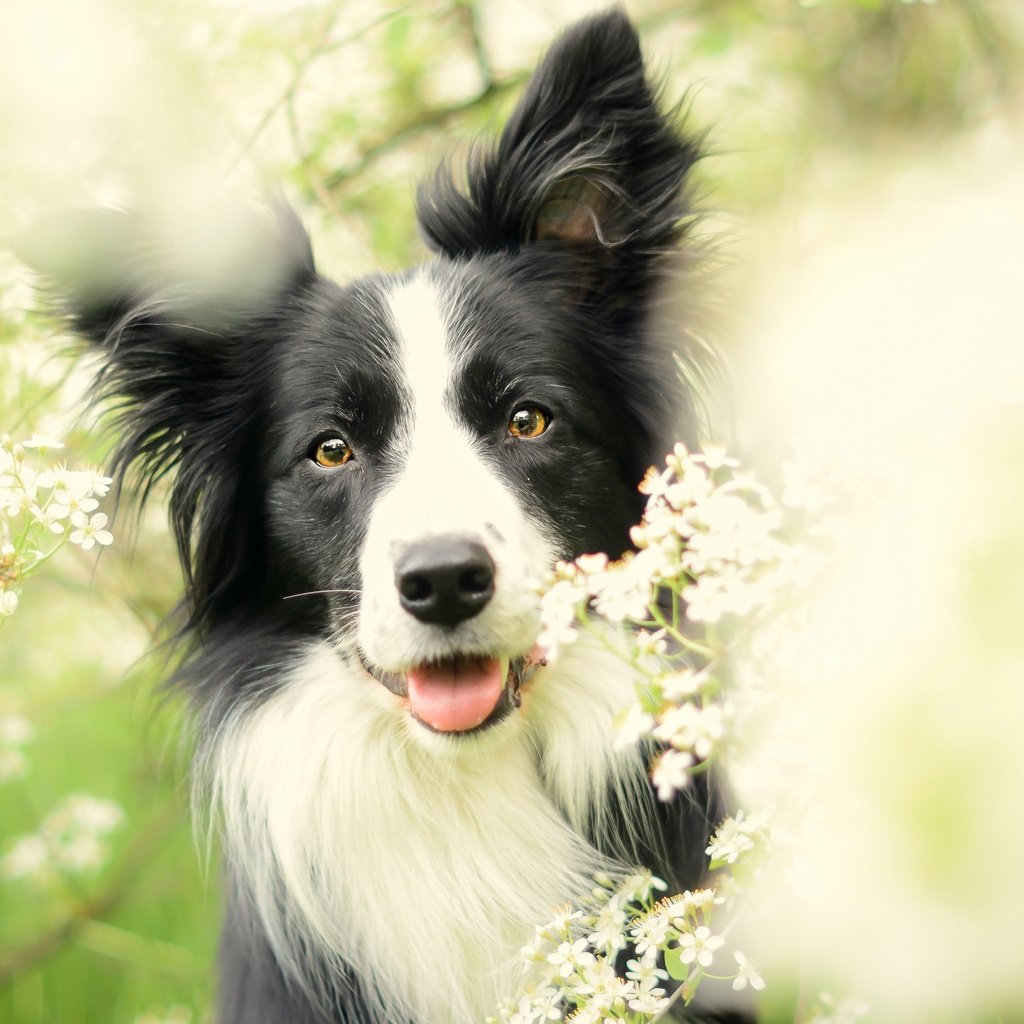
pixel 426 865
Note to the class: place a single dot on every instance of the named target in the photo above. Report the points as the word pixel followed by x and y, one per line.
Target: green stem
pixel 679 637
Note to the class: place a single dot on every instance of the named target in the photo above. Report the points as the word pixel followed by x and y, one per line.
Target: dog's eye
pixel 528 421
pixel 332 452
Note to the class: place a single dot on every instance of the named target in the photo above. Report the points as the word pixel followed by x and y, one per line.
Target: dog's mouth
pixel 462 693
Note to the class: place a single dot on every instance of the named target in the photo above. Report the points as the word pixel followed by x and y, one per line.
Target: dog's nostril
pixel 477 580
pixel 414 587
pixel 445 580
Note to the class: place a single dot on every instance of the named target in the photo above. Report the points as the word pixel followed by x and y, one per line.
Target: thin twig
pixel 470 13
pixel 424 122
pixel 320 48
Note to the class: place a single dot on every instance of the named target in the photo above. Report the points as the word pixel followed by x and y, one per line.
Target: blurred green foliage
pixel 345 104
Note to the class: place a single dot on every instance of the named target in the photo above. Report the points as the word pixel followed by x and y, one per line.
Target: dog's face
pixel 438 440
pixel 391 466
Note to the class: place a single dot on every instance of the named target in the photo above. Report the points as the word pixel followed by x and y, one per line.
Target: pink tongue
pixel 455 696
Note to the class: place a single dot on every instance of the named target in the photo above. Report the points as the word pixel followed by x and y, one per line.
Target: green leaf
pixel 675 967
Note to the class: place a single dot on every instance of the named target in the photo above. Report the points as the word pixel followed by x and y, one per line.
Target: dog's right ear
pixel 181 319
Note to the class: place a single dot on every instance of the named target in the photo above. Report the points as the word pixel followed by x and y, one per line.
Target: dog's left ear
pixel 587 161
pixel 178 315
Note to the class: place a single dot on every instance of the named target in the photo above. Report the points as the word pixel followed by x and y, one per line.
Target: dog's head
pixel 388 465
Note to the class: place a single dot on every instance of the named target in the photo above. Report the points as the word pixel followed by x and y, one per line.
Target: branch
pixel 138 856
pixel 424 122
pixel 470 14
pixel 322 46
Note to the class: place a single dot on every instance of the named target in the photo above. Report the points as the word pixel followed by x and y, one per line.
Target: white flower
pixel 585 1015
pixel 693 728
pixel 536 949
pixel 637 888
pixel 13 764
pixel 650 644
pixel 631 726
pixel 714 457
pixel 706 600
pixel 69 501
pixel 81 852
pixel 650 933
pixel 8 602
pixel 538 1004
pixel 98 483
pixel 592 565
pixel 683 685
pixel 650 1002
pixel 645 972
pixel 746 974
pixel 50 516
pixel 734 592
pixel 15 498
pixel 623 591
pixel 699 945
pixel 41 441
pixel 15 731
pixel 81 483
pixel 608 927
pixel 561 924
pixel 599 978
pixel 736 837
pixel 571 956
pixel 558 616
pixel 654 483
pixel 28 857
pixel 90 530
pixel 92 815
pixel 672 773
pixel 688 905
pixel 69 838
pixel 692 486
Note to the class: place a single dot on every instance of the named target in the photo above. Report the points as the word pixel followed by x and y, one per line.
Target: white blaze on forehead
pixel 426 350
pixel 444 485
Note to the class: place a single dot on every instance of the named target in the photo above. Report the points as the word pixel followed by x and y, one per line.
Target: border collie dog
pixel 367 479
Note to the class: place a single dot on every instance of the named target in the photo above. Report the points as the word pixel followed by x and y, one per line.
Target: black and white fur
pixel 379 870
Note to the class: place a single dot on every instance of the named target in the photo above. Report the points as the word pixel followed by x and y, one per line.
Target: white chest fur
pixel 425 864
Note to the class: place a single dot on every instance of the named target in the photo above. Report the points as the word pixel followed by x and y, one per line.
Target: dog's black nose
pixel 445 580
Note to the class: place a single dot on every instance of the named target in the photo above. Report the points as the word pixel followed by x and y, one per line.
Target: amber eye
pixel 528 421
pixel 332 452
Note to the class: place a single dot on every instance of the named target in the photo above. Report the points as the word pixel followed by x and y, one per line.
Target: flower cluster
pixel 42 507
pixel 710 535
pixel 713 566
pixel 711 551
pixel 571 960
pixel 15 733
pixel 736 837
pixel 70 840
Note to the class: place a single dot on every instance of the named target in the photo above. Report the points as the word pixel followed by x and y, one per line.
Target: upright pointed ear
pixel 586 160
pixel 180 317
